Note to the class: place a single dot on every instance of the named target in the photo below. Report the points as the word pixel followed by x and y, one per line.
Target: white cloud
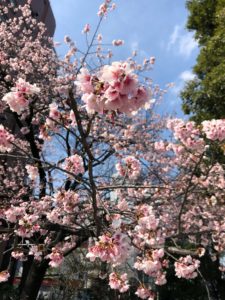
pixel 186 75
pixel 174 36
pixel 180 82
pixel 181 41
pixel 187 44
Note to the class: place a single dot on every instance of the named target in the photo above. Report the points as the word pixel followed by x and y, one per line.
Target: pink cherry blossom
pixel 67 200
pixel 86 29
pixel 99 37
pixel 25 87
pixel 167 192
pixel 112 249
pixel 117 42
pixel 114 87
pixel 54 112
pixel 103 8
pixel 84 81
pixel 144 293
pixel 118 282
pixel 28 225
pixel 16 102
pixel 32 172
pixel 130 167
pixel 214 129
pixel 152 60
pixel 35 251
pixel 186 267
pixel 5 140
pixel 74 164
pixel 56 258
pixel 18 98
pixel 123 205
pixel 14 213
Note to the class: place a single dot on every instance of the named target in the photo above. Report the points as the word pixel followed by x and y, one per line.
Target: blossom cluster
pixel 114 88
pixel 105 7
pixel 152 264
pixel 18 98
pixel 68 200
pixel 118 282
pixel 144 293
pixel 14 213
pixel 182 183
pixel 186 267
pixel 113 249
pixel 214 129
pixel 54 120
pixel 74 164
pixel 28 225
pixel 36 252
pixel 187 133
pixel 56 258
pixel 6 140
pixel 130 167
pixel 54 114
pixel 146 232
pixel 32 171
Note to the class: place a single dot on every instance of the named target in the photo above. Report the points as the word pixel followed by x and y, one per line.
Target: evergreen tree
pixel 204 96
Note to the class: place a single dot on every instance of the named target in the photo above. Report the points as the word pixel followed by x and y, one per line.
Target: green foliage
pixel 202 18
pixel 204 97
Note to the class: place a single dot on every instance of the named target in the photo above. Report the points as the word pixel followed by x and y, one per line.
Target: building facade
pixel 41 9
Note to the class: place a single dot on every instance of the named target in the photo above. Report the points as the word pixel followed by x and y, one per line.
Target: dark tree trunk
pixel 213 277
pixel 12 270
pixel 34 280
pixel 5 258
pixel 3 245
pixel 26 268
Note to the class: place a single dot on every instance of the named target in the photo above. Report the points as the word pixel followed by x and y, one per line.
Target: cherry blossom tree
pixel 87 168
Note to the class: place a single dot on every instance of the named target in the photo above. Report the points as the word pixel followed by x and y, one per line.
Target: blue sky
pixel 152 27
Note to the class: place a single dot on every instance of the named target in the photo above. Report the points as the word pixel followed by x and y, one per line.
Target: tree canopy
pixel 204 96
pixel 87 171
